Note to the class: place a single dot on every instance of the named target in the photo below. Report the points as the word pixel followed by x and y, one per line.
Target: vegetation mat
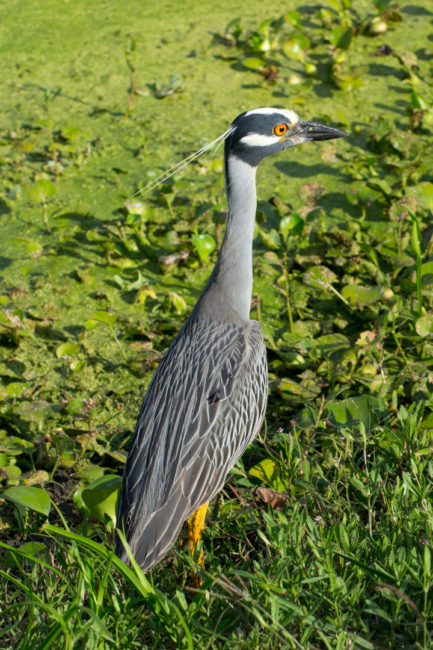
pixel 322 535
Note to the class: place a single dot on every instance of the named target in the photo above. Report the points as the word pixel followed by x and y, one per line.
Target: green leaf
pixel 177 302
pixel 359 485
pixel 353 411
pixel 34 548
pixel 415 235
pixel 427 562
pixel 427 422
pixel 418 101
pixel 42 190
pixel 270 239
pixel 135 284
pixel 327 17
pixel 121 283
pixel 341 37
pixel 291 223
pixel 14 445
pixel 319 276
pixel 268 471
pixel 33 498
pixel 70 132
pixel 14 389
pixel 293 18
pixel 343 536
pixel 100 497
pixel 290 389
pixel 377 26
pixel 296 46
pixel 125 262
pixel 370 569
pixel 34 249
pixel 204 245
pixel 144 293
pixel 90 324
pixel 359 296
pixel 129 286
pixel 11 472
pixel 426 195
pixel 381 5
pixel 75 405
pixel 67 350
pixel 427 273
pixel 90 473
pixel 78 500
pixel 103 317
pixel 253 63
pixel 263 28
pixel 260 43
pixel 348 82
pixel 424 325
pixel 39 410
pixel 381 185
pixel 95 235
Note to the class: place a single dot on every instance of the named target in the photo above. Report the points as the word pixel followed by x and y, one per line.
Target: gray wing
pixel 205 403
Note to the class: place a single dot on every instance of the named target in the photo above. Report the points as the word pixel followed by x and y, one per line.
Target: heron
pixel 207 399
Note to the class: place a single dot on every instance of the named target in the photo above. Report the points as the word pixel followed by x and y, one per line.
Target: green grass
pixel 346 561
pixel 322 537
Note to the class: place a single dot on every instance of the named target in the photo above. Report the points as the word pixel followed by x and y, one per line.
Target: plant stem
pixel 287 291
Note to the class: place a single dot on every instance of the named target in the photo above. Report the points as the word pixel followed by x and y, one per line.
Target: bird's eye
pixel 280 129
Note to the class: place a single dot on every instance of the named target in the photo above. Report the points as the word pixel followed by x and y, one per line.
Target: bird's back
pixel 205 403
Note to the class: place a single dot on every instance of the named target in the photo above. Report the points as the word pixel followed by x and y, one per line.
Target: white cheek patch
pixel 259 140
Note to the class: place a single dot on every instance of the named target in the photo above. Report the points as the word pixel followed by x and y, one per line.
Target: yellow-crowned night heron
pixel 207 399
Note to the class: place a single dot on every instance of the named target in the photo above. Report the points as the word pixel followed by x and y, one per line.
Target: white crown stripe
pixel 290 116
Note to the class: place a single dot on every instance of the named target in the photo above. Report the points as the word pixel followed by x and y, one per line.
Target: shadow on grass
pixel 299 170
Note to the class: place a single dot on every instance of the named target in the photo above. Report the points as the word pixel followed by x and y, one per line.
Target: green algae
pixel 92 293
pixel 94 289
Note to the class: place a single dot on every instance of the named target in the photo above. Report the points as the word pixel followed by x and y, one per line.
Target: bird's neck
pixel 227 295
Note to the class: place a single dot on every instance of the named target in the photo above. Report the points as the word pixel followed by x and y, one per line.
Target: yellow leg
pixel 195 530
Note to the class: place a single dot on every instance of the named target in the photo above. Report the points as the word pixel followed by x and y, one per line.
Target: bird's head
pixel 258 133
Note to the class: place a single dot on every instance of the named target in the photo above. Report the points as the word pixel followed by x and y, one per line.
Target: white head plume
pixel 180 165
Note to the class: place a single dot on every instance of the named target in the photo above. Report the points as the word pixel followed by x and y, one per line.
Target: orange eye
pixel 280 129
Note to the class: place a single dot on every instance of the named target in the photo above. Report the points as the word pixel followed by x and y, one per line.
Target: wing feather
pixel 204 404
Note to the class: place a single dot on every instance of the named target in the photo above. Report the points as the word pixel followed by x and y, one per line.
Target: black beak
pixel 310 131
